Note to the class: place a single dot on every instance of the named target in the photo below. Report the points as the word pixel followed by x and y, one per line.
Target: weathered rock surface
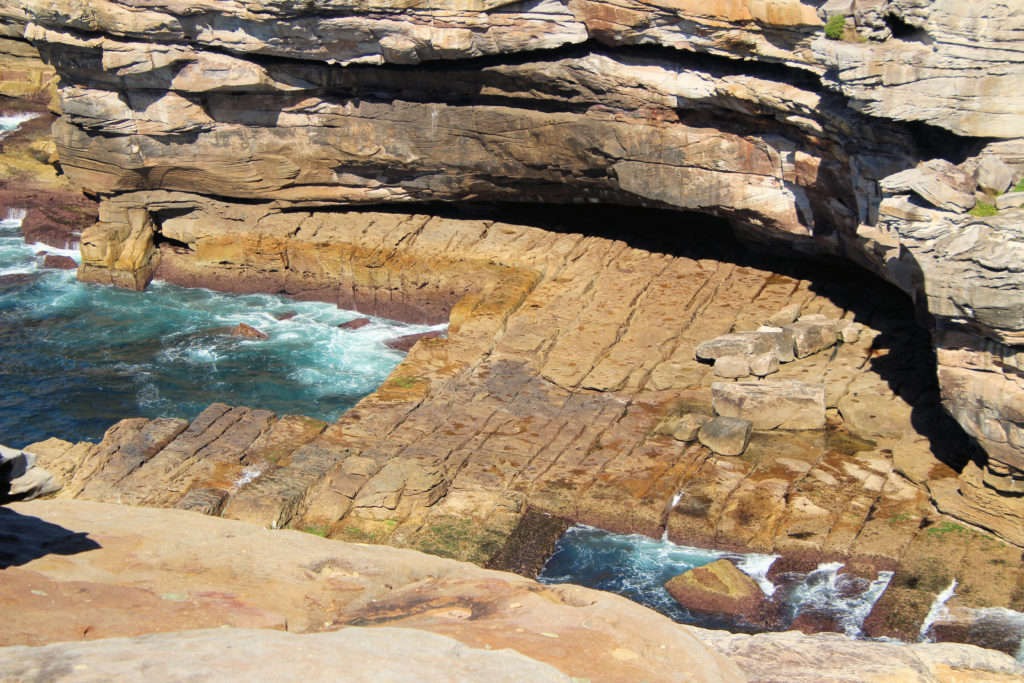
pixel 799 144
pixel 835 659
pixel 726 435
pixel 719 588
pixel 362 654
pixel 113 576
pixel 565 350
pixel 554 389
pixel 785 404
pixel 169 570
pixel 20 479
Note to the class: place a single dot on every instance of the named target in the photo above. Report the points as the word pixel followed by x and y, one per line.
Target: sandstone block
pixel 993 175
pixel 784 316
pixel 764 364
pixel 812 334
pixel 847 331
pixel 732 366
pixel 686 427
pixel 718 588
pixel 937 181
pixel 787 404
pixel 783 341
pixel 1010 200
pixel 726 435
pixel 737 344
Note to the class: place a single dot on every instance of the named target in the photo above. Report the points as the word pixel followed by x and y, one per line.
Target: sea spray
pixel 75 358
pixel 827 589
pixel 637 567
pixel 676 497
pixel 938 609
pixel 9 122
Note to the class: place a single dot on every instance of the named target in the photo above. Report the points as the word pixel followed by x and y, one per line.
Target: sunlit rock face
pixel 189 121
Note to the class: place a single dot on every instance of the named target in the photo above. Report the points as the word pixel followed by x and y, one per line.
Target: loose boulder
pixel 21 479
pixel 247 331
pixel 720 588
pixel 732 367
pixel 936 181
pixel 737 344
pixel 782 341
pixel 59 261
pixel 764 364
pixel 993 175
pixel 812 333
pixel 354 324
pixel 784 404
pixel 726 435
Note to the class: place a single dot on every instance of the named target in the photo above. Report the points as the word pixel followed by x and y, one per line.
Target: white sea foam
pixel 15 216
pixel 249 474
pixel 9 122
pixel 756 567
pixel 823 589
pixel 72 253
pixel 937 610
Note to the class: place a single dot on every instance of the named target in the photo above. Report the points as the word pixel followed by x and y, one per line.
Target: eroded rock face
pixel 221 141
pixel 249 110
pixel 719 588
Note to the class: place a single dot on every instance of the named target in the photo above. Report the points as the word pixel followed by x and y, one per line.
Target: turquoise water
pixel 75 358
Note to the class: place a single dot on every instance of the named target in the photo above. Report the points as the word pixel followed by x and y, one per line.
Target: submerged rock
pixel 247 331
pixel 12 279
pixel 354 324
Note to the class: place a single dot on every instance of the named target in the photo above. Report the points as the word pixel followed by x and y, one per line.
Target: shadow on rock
pixel 24 538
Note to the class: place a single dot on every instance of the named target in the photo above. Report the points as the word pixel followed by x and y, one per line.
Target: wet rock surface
pixel 59 261
pixel 720 588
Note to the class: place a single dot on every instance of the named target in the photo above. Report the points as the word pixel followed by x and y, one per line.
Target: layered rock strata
pixel 561 387
pixel 375 613
pixel 221 141
pixel 255 112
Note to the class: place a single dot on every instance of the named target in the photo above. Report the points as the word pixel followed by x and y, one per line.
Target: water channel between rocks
pixel 75 358
pixel 637 567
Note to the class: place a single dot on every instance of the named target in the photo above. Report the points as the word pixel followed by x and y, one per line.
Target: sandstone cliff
pixel 222 140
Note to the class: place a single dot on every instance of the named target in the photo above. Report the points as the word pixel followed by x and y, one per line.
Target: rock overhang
pixel 233 107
